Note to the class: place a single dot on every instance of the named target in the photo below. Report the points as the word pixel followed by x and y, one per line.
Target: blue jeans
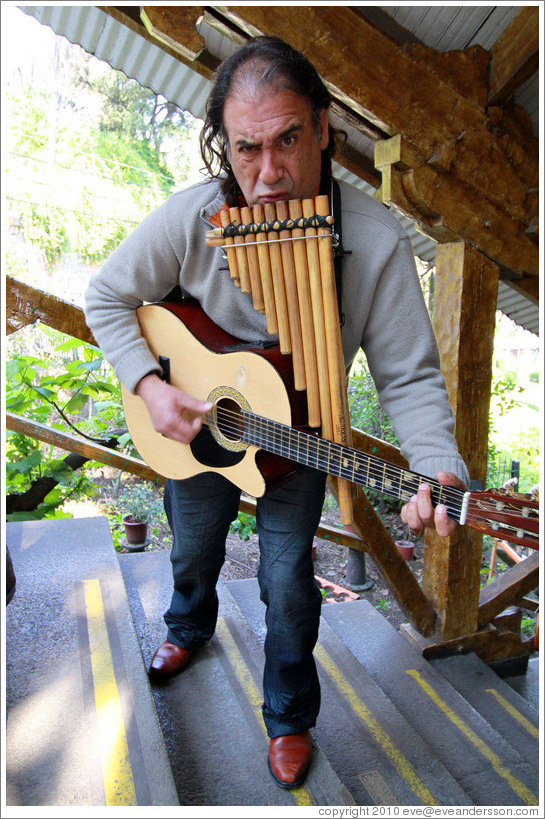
pixel 200 511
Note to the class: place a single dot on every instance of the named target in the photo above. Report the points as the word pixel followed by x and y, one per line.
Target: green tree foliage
pixel 91 153
pixel 56 395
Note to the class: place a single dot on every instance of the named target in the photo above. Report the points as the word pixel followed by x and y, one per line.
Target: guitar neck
pixel 353 465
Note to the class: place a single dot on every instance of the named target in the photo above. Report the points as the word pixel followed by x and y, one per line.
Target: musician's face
pixel 273 149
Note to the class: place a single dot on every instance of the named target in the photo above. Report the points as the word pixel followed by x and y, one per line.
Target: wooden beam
pixel 27 305
pixel 508 588
pixel 489 644
pixel 337 39
pixel 186 55
pixel 95 452
pixel 464 318
pixel 392 567
pixel 447 209
pixel 515 56
pixel 175 27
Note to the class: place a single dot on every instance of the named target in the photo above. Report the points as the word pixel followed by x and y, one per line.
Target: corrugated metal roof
pixel 441 27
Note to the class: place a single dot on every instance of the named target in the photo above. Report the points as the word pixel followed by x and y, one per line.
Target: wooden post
pixel 466 288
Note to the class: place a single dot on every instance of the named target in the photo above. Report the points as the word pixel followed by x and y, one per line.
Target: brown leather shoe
pixel 289 759
pixel 167 661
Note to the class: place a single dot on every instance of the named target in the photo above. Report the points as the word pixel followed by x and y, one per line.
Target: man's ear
pixel 323 138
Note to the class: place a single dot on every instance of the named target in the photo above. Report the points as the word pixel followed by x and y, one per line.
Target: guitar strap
pixel 338 250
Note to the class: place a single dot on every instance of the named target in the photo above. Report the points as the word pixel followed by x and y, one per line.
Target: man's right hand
pixel 173 413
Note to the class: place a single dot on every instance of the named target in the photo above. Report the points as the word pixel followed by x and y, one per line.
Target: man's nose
pixel 270 170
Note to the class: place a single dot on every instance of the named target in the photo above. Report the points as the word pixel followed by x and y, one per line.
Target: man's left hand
pixel 419 512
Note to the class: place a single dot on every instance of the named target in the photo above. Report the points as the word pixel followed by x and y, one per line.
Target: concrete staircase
pixel 84 728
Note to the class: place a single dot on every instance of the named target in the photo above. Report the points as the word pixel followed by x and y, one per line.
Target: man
pixel 267 128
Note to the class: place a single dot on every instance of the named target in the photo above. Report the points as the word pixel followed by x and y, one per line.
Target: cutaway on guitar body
pixel 250 377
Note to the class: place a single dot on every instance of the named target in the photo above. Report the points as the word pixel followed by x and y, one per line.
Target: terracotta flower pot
pixel 136 532
pixel 405 549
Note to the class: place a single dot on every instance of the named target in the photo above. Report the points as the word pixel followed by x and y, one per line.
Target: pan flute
pixel 282 256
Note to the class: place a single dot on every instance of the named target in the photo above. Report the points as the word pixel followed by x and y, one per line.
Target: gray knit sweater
pixel 384 309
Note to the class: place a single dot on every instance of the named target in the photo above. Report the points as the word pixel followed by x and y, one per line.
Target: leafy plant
pixel 54 390
pixel 244 526
pixel 141 501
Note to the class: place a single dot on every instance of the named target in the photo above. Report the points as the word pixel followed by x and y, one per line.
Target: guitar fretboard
pixel 358 467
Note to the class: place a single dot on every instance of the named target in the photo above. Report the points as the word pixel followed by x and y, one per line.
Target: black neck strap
pixel 338 251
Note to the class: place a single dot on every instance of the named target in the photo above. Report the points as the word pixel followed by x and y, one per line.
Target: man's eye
pixel 289 140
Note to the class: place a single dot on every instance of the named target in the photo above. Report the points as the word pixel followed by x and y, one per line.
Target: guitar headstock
pixel 505 514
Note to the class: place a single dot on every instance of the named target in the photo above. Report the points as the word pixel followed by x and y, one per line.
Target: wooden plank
pixel 515 56
pixel 464 319
pixel 87 449
pixel 27 305
pixel 489 644
pixel 175 27
pixel 377 447
pixel 508 588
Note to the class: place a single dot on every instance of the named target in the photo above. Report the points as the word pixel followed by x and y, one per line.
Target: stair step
pixel 73 673
pixel 497 702
pixel 488 768
pixel 527 685
pixel 211 714
pixel 381 758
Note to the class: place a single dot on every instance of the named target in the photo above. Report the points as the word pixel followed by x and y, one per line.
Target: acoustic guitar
pixel 255 431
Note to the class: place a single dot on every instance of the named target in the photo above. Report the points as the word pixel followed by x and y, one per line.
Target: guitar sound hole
pixel 208 452
pixel 229 419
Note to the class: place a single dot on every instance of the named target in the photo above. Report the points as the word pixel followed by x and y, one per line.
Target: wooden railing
pixel 493 640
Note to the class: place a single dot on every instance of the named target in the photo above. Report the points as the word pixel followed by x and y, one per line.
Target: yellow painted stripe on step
pixel 403 766
pixel 301 795
pixel 116 767
pixel 532 730
pixel 515 784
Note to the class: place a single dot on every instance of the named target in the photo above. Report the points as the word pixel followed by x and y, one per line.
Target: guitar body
pixel 224 368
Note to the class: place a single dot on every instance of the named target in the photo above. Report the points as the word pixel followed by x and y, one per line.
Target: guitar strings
pixel 453 494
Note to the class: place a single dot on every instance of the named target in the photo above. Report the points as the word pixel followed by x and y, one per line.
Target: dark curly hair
pixel 269 61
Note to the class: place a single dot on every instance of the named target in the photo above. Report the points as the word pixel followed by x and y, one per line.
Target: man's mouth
pixel 271 198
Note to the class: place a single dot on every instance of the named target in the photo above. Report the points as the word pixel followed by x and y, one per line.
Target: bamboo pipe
pixel 253 262
pixel 292 300
pixel 231 255
pixel 278 288
pixel 305 312
pixel 242 259
pixel 265 272
pixel 313 262
pixel 342 430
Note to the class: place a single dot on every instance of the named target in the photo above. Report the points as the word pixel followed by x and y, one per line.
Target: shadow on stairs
pixel 85 728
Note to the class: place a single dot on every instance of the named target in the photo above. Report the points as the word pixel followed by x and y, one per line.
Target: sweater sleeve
pixel 403 359
pixel 144 268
